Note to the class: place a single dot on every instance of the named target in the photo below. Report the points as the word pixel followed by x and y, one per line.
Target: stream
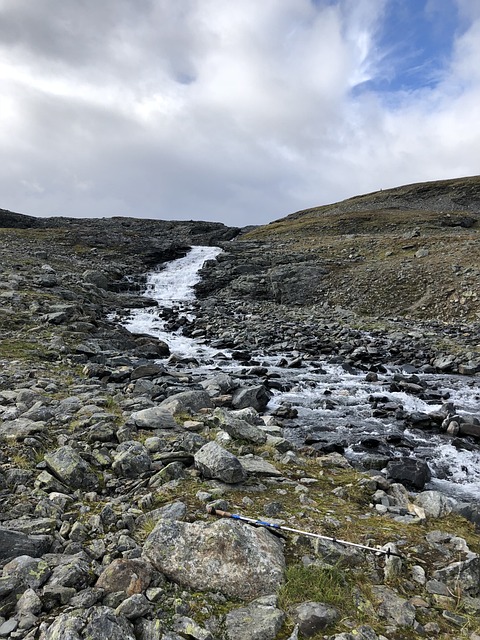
pixel 334 406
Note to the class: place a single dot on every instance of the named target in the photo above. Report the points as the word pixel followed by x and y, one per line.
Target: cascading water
pixel 330 402
pixel 173 285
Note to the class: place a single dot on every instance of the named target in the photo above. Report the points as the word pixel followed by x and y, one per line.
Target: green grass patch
pixel 327 583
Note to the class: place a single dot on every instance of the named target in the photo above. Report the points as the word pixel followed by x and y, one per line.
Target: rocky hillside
pixel 413 252
pixel 109 458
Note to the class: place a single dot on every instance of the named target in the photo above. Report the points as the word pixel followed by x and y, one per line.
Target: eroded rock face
pixel 230 557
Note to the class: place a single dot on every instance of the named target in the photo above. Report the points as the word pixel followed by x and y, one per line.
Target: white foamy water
pixel 170 286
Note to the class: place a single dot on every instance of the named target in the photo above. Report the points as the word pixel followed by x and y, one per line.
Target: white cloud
pixel 237 111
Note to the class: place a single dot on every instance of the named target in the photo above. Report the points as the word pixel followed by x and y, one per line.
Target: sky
pixel 238 111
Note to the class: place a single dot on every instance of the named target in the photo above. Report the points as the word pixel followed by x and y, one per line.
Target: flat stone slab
pixel 256 466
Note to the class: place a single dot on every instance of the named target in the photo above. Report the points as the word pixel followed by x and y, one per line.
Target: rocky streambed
pixel 112 447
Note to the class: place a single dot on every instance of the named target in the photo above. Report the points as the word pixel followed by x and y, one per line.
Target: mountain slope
pixel 412 251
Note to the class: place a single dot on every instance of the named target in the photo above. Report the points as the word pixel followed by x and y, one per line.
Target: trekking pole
pixel 272 525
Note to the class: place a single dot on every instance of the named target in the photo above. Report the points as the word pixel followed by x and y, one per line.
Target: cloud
pixel 240 112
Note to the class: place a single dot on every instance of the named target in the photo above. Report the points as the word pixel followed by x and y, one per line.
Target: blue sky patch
pixel 416 39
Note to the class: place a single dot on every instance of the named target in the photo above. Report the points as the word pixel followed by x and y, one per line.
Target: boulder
pixel 153 418
pixel 213 461
pixel 187 401
pixel 257 397
pixel 71 571
pixel 463 576
pixel 123 574
pixel 231 557
pixel 71 469
pixel 131 459
pixel 257 466
pixel 97 623
pixel 238 428
pixel 15 543
pixel 434 504
pixel 393 608
pixel 409 471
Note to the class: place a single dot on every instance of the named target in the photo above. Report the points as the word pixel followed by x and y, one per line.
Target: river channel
pixel 333 406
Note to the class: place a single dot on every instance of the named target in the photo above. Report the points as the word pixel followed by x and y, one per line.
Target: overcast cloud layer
pixel 234 110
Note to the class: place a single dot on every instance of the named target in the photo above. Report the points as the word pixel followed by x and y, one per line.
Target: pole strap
pixel 272 525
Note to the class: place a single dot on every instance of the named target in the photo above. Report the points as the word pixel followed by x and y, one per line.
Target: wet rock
pixel 213 461
pixel 240 561
pixel 70 468
pixel 409 471
pixel 313 617
pixel 257 397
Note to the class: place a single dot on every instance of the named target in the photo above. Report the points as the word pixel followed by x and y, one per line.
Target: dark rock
pixel 409 471
pixel 257 397
pixel 14 543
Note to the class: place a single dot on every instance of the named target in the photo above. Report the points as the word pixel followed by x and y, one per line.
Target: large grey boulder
pixel 213 461
pixel 257 621
pixel 71 469
pixel 19 429
pixel 393 608
pixel 257 466
pixel 257 397
pixel 71 571
pixel 231 557
pixel 153 418
pixel 238 428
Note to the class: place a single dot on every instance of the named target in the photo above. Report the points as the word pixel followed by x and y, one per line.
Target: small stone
pixel 313 617
pixel 8 627
pixel 136 606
